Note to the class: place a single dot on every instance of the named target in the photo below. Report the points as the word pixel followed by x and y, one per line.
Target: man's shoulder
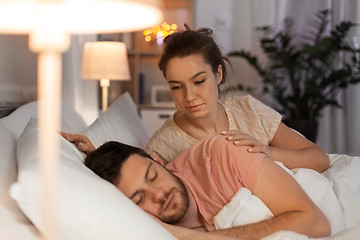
pixel 210 151
pixel 220 145
pixel 195 156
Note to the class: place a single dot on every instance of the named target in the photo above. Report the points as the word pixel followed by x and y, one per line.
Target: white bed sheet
pixel 340 203
pixel 343 173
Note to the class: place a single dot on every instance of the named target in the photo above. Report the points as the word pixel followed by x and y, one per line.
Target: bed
pixel 91 208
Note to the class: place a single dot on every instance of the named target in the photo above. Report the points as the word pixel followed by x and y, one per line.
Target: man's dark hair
pixel 107 160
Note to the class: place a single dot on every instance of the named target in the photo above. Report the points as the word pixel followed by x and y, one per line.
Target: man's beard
pixel 181 206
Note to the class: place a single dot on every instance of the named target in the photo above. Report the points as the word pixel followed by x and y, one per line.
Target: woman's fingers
pixel 242 139
pixel 82 142
pixel 64 134
pixel 229 132
pixel 67 136
pixel 254 150
pixel 77 138
pixel 234 136
pixel 245 142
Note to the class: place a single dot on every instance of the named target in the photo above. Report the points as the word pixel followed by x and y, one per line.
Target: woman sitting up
pixel 194 68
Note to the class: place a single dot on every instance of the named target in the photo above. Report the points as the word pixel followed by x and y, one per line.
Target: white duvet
pixel 336 192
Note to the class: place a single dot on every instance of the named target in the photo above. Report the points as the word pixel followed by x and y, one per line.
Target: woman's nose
pixel 190 94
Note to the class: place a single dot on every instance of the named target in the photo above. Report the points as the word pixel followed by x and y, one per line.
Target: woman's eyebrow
pixel 197 74
pixel 146 176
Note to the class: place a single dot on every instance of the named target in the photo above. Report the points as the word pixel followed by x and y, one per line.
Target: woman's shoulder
pixel 242 102
pixel 245 102
pixel 164 131
pixel 169 141
pixel 244 99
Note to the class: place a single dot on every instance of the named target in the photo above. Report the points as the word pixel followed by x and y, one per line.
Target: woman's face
pixel 193 85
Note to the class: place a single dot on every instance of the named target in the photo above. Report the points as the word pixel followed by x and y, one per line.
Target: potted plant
pixel 305 73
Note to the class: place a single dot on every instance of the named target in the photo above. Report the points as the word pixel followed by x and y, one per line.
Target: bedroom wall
pixel 17 70
pixel 18 75
pixel 80 93
pixel 18 66
pixel 233 22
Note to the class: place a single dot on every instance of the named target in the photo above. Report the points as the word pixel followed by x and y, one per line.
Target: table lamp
pixel 49 24
pixel 105 61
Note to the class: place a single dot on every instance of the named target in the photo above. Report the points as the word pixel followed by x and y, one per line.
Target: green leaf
pixel 303 72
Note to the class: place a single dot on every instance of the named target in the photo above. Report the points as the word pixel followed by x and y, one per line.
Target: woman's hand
pixel 243 139
pixel 82 142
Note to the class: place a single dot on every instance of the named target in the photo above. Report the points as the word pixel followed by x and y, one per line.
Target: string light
pixel 158 33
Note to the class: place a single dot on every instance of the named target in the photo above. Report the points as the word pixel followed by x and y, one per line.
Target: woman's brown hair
pixel 189 42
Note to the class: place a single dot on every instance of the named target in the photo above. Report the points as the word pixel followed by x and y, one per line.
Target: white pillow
pixel 120 122
pixel 8 171
pixel 14 225
pixel 17 120
pixel 89 207
pixel 344 174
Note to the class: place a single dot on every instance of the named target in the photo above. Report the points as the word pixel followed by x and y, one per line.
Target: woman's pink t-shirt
pixel 214 170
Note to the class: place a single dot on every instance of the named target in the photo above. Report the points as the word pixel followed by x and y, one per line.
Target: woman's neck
pixel 200 128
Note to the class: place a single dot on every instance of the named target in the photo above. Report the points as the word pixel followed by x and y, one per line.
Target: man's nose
pixel 157 194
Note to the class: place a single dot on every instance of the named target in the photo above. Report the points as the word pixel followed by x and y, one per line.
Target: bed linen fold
pixel 246 208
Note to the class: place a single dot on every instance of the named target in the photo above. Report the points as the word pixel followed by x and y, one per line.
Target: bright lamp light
pixel 49 24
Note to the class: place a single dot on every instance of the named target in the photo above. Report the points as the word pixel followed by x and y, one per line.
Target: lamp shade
pixel 50 22
pixel 79 16
pixel 105 60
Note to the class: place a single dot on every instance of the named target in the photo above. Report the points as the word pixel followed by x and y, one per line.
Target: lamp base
pixel 105 83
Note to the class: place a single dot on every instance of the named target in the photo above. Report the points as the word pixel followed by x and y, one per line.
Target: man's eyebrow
pixel 199 73
pixel 146 176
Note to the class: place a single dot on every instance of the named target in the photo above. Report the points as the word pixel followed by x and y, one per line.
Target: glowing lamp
pixel 105 61
pixel 49 24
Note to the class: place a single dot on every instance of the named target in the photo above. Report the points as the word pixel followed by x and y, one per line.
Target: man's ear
pixel 157 159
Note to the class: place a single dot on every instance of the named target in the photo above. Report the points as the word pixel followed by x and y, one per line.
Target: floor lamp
pixel 49 24
pixel 105 61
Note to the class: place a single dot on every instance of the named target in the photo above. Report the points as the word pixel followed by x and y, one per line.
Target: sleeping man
pixel 191 190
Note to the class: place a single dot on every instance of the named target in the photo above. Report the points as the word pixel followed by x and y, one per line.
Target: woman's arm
pixel 287 146
pixel 294 150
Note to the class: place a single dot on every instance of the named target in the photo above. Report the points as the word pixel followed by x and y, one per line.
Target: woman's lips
pixel 194 107
pixel 170 202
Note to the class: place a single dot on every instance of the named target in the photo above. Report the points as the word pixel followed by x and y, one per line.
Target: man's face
pixel 153 188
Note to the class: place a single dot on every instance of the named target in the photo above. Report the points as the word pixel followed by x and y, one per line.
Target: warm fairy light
pixel 158 33
pixel 147 38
